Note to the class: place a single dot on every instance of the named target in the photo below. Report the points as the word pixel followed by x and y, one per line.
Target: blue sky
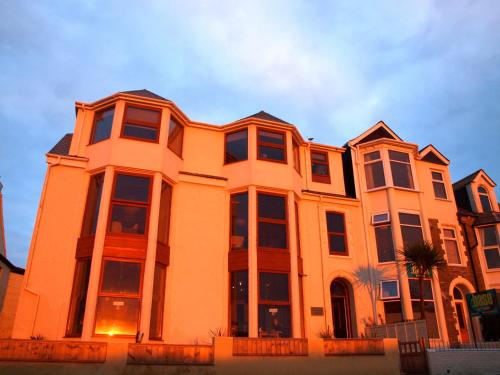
pixel 429 69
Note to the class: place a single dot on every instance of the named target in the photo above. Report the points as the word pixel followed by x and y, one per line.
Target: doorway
pixel 460 309
pixel 341 309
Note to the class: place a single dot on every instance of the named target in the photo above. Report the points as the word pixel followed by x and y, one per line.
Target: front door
pixel 340 310
pixel 464 334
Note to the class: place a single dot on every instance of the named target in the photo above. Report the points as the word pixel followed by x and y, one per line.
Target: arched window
pixel 460 309
pixel 484 198
pixel 341 309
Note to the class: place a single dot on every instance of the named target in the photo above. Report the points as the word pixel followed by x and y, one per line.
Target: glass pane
pixel 374 175
pixel 457 294
pixel 415 289
pixel 437 176
pixel 485 202
pixel 492 258
pixel 389 289
pixel 410 219
pixel 274 321
pixel 335 222
pixel 141 132
pixel 158 301
pixel 239 303
pixel 381 217
pixel 449 233
pixel 237 146
pixel 164 218
pixel 272 153
pixel 116 316
pixel 143 115
pixel 338 289
pixel 452 251
pixel 375 155
pixel 337 243
pixel 411 235
pixel 132 188
pixel 272 235
pixel 239 221
pixel 319 156
pixel 121 277
pixel 103 124
pixel 93 204
pixel 271 137
pixel 401 175
pixel 78 298
pixel 393 311
pixel 320 169
pixel 482 190
pixel 385 245
pixel 271 206
pixel 175 137
pixel 296 156
pixel 439 190
pixel 273 286
pixel 430 316
pixel 128 219
pixel 490 236
pixel 399 156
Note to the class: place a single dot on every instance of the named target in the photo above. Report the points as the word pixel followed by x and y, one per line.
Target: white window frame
pixel 487 193
pixel 459 248
pixel 385 221
pixel 490 247
pixel 398 296
pixel 410 163
pixel 439 182
pixel 381 153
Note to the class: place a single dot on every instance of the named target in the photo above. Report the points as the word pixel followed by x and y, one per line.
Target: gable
pixel 377 134
pixel 378 131
pixel 431 157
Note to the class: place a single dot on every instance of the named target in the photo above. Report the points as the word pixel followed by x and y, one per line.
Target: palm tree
pixel 422 258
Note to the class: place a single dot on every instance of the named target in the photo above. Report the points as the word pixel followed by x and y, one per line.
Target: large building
pixel 153 226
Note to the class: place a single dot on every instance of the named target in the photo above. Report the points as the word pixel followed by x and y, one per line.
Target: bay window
pixel 103 122
pixel 239 221
pixel 271 145
pixel 272 221
pixel 158 300
pixel 274 305
pixel 411 229
pixel 430 311
pixel 141 123
pixel 296 155
pixel 236 145
pixel 401 169
pixel 175 137
pixel 491 246
pixel 239 304
pixel 92 206
pixel 78 298
pixel 374 170
pixel 385 244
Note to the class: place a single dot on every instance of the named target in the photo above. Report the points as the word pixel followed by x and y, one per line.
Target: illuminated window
pixel 78 298
pixel 401 169
pixel 451 246
pixel 374 170
pixel 272 221
pixel 103 122
pixel 491 246
pixel 485 199
pixel 438 184
pixel 141 123
pixel 239 304
pixel 430 311
pixel 119 298
pixel 271 145
pixel 129 204
pixel 236 146
pixel 239 221
pixel 337 236
pixel 319 167
pixel 274 305
pixel 175 137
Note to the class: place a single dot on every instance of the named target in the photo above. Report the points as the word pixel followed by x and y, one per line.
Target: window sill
pixel 491 270
pixel 339 255
pixel 272 160
pixel 443 199
pixel 388 263
pixel 458 265
pixel 139 139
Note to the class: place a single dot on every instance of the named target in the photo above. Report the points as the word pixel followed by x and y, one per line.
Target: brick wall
pixel 462 362
pixel 9 307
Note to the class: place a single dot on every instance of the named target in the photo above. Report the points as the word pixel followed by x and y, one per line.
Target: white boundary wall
pixel 464 362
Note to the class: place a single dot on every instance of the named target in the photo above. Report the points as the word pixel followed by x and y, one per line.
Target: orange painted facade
pixel 290 239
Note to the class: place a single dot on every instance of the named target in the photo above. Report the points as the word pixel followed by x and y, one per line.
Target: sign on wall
pixel 482 303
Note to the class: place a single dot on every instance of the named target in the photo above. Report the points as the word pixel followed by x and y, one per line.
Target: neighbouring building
pixel 11 278
pixel 155 226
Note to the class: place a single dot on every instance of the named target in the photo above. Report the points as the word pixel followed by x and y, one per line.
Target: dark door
pixel 340 310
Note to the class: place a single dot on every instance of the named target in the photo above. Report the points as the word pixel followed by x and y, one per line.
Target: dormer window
pixel 401 169
pixel 485 199
pixel 141 123
pixel 103 122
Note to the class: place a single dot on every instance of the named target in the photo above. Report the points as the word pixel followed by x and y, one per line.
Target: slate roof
pixel 265 116
pixel 466 180
pixel 144 93
pixel 62 147
pixel 12 268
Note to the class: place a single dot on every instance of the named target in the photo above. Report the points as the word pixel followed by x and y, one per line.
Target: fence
pixel 269 347
pixel 164 354
pixel 481 345
pixel 408 331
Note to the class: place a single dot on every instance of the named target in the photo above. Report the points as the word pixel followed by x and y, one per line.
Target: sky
pixel 428 69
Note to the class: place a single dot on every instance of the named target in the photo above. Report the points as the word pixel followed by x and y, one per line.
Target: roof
pixel 432 155
pixel 377 131
pixel 12 268
pixel 62 147
pixel 144 93
pixel 488 218
pixel 467 179
pixel 265 116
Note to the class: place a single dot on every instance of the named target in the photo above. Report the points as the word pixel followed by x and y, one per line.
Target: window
pixel 401 169
pixel 393 311
pixel 78 298
pixel 274 305
pixel 271 145
pixel 165 210
pixel 239 304
pixel 103 122
pixel 158 300
pixel 438 184
pixel 296 155
pixel 129 204
pixel 451 246
pixel 272 221
pixel 381 218
pixel 337 237
pixel 374 170
pixel 430 311
pixel 411 229
pixel 175 137
pixel 119 298
pixel 485 199
pixel 236 146
pixel 92 206
pixel 385 244
pixel 297 230
pixel 490 246
pixel 141 123
pixel 239 221
pixel 319 167
pixel 389 289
